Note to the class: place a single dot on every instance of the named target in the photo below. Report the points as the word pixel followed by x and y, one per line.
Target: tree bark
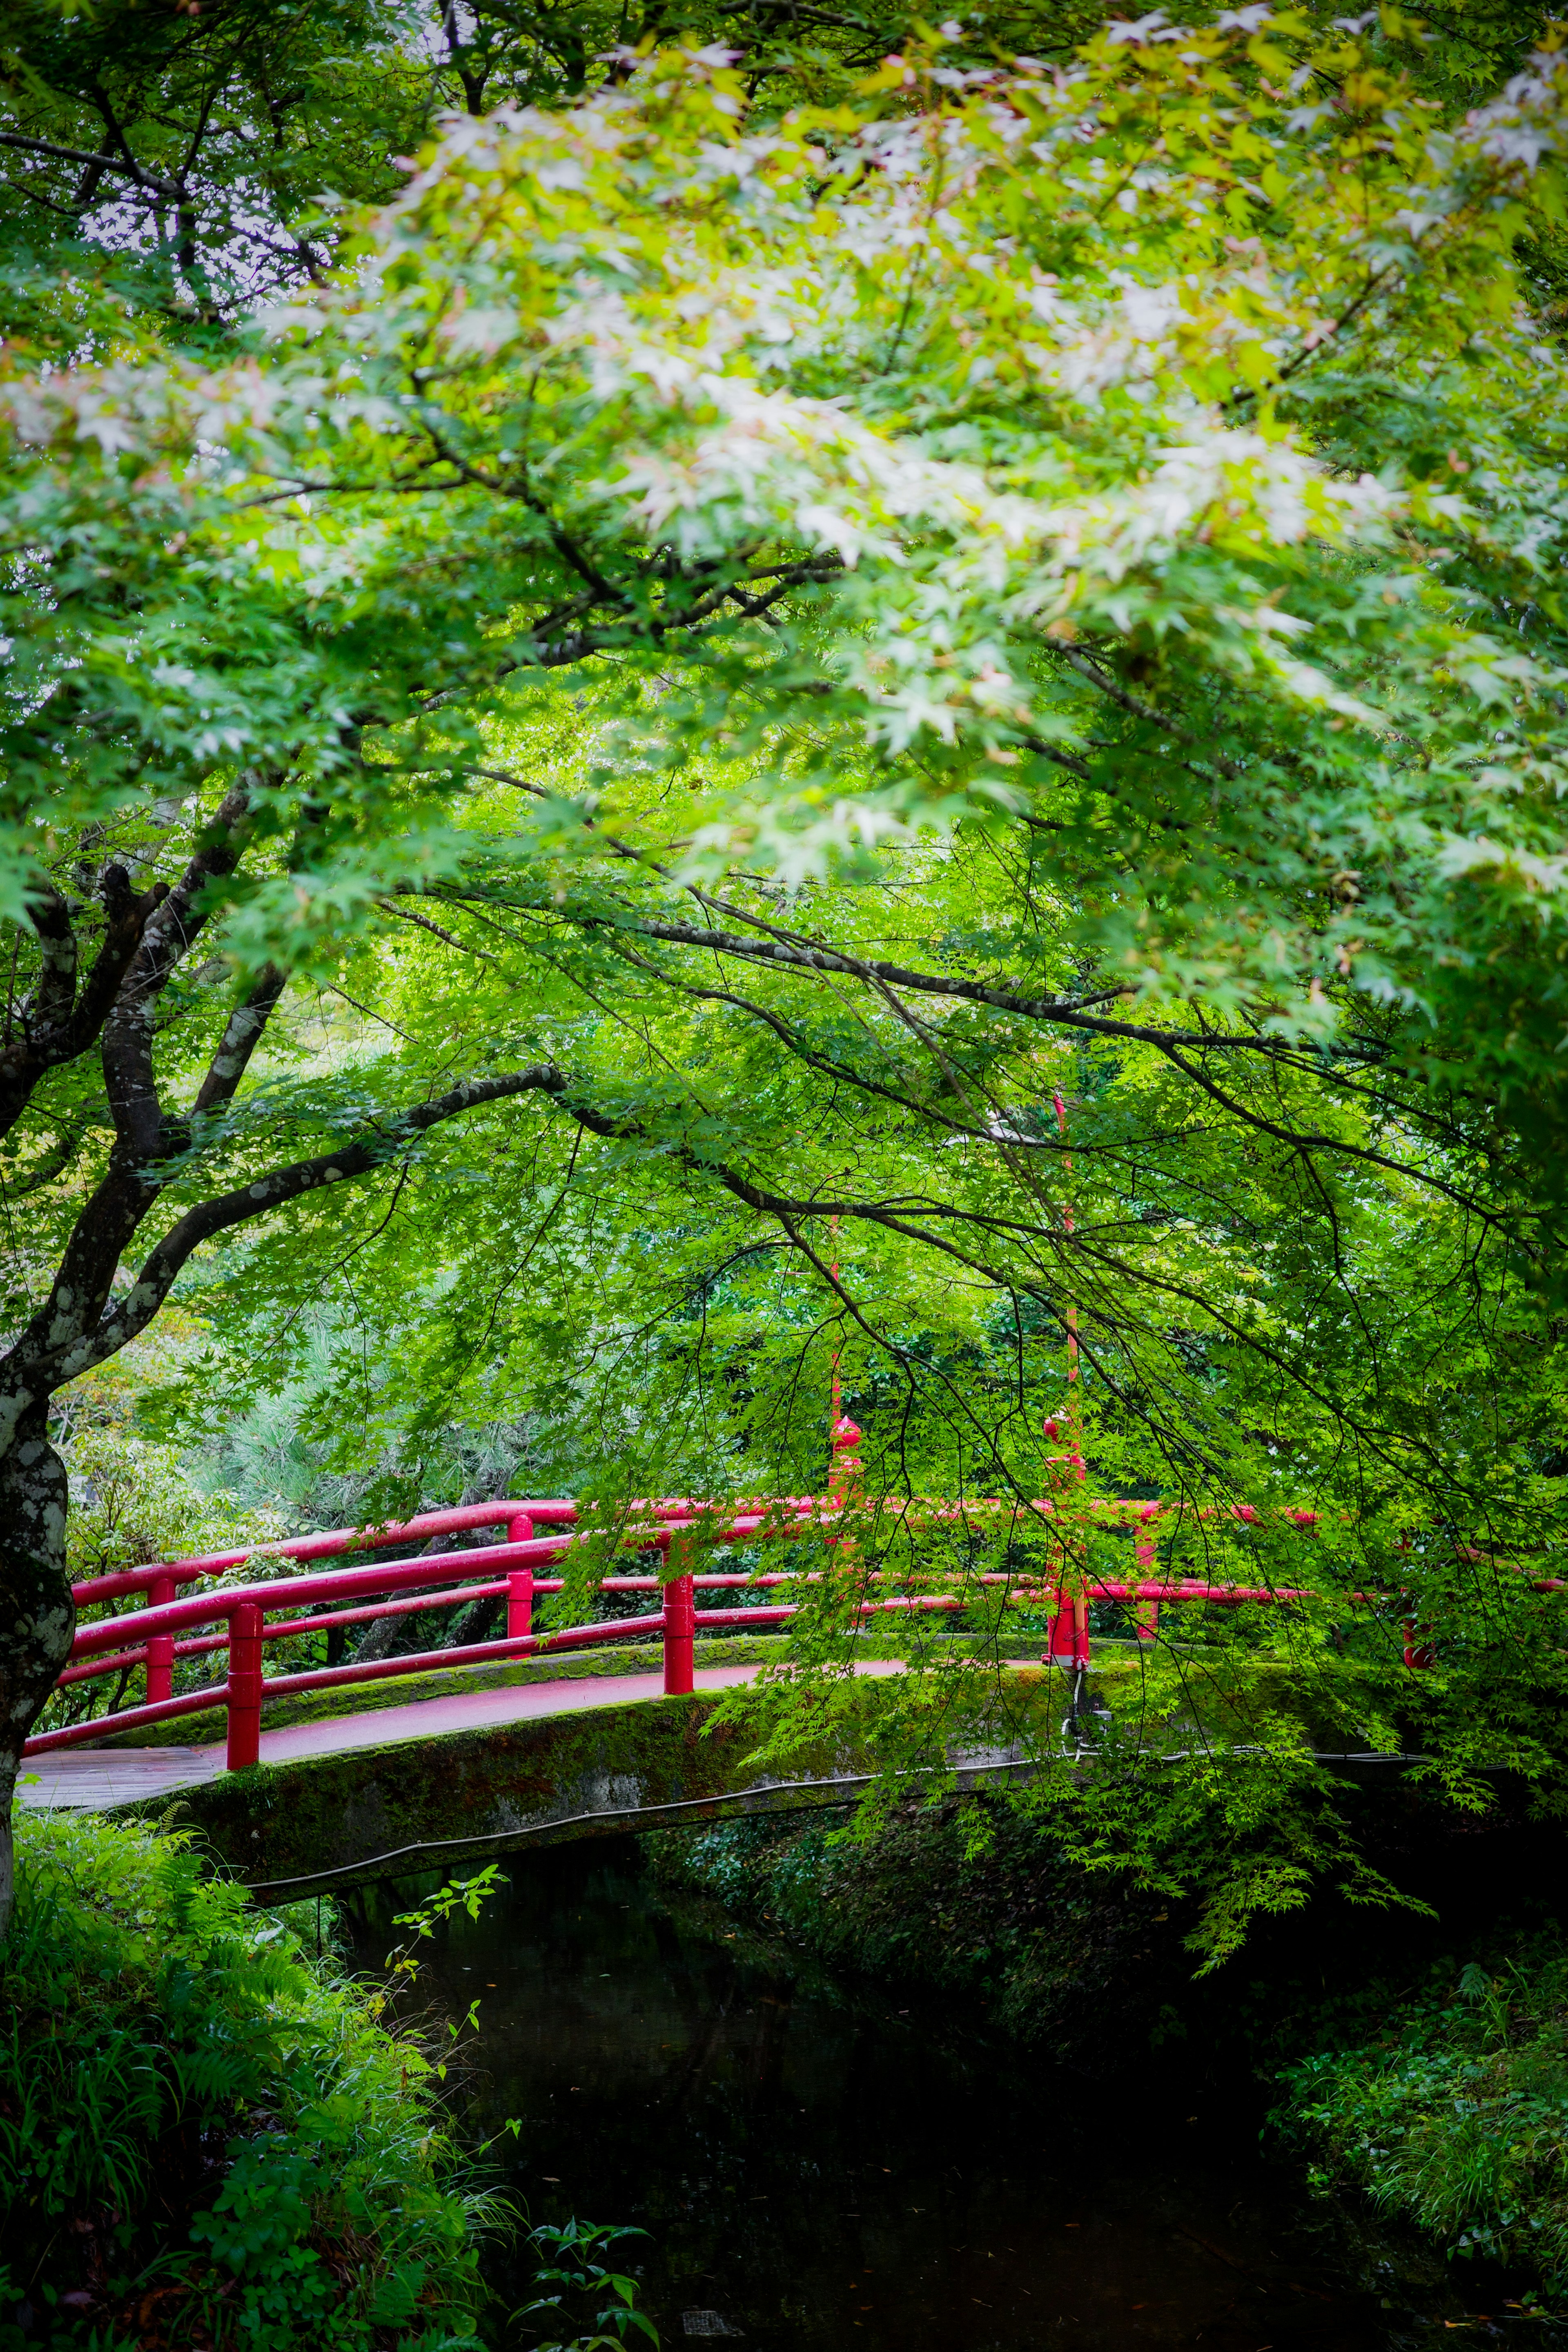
pixel 38 1615
pixel 391 1637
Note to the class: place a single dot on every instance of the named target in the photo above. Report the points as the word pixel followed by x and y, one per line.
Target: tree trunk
pixel 480 1621
pixel 37 1615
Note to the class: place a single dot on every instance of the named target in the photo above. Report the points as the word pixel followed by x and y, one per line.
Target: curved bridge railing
pixel 535 1537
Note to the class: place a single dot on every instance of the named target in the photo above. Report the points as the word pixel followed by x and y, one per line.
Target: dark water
pixel 822 2164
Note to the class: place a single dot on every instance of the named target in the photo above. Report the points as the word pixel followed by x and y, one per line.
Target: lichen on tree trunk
pixel 38 1615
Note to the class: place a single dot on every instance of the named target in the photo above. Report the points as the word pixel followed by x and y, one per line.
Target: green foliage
pixel 197 2122
pixel 853 725
pixel 402 1966
pixel 1452 2107
pixel 134 1501
pixel 166 168
pixel 570 2265
pixel 235 138
pixel 1142 423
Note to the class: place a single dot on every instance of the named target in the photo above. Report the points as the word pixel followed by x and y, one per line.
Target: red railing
pixel 509 1568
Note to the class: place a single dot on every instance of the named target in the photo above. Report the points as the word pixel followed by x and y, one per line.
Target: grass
pixel 1452 2111
pixel 206 2138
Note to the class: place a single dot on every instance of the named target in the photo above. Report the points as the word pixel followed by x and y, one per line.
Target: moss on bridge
pixel 444 1797
pixel 438 1798
pixel 451 1797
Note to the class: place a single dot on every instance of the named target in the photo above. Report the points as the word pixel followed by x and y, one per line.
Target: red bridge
pixel 533 1538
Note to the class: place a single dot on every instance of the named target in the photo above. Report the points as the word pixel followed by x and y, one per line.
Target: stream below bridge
pixel 825 2164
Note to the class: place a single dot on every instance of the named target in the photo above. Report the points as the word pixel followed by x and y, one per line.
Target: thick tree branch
pixel 53 1030
pixel 241 1036
pixel 1071 1011
pixel 52 1000
pixel 812 1057
pixel 1177 1045
pixel 129 915
pixel 56 1364
pixel 129 168
pixel 143 1136
pixel 789 950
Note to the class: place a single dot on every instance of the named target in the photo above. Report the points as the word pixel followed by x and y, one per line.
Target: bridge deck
pixel 92 1779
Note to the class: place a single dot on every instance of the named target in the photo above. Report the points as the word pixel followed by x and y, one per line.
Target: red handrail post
pixel 1146 1616
pixel 1062 1647
pixel 243 1685
pixel 679 1632
pixel 844 1475
pixel 519 1585
pixel 518 1603
pixel 160 1647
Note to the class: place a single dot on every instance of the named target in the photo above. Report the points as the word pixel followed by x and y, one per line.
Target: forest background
pixel 699 704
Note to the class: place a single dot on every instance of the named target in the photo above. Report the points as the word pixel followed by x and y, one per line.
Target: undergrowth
pixel 206 2138
pixel 1452 2109
pixel 1006 1921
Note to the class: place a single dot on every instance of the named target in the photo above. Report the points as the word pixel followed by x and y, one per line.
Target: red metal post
pixel 1075 1400
pixel 680 1627
pixel 1062 1646
pixel 519 1585
pixel 835 1415
pixel 1146 1615
pixel 161 1648
pixel 243 1685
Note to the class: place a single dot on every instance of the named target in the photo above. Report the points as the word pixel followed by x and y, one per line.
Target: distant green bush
pixel 1452 2110
pixel 205 2138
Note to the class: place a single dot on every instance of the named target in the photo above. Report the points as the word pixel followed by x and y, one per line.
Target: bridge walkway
pixel 91 1779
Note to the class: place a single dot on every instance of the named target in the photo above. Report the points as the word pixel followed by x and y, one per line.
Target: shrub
pixel 1454 2109
pixel 207 2139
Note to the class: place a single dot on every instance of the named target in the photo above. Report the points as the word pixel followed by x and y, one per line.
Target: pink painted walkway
pixel 89 1778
